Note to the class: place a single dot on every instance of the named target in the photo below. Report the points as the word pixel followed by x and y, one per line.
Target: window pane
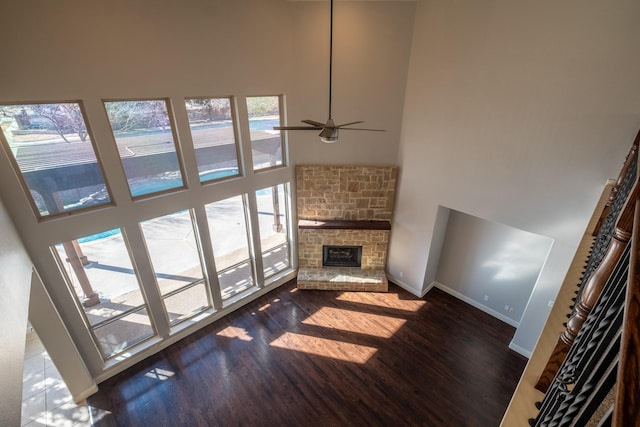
pixel 146 144
pixel 236 279
pixel 273 221
pixel 54 153
pixel 266 143
pixel 115 337
pixel 103 279
pixel 181 306
pixel 175 258
pixel 214 139
pixel 228 231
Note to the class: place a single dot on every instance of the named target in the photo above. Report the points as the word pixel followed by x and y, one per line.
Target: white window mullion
pixel 206 248
pixel 148 280
pixel 256 245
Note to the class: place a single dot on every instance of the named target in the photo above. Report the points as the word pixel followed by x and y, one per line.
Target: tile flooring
pixel 46 401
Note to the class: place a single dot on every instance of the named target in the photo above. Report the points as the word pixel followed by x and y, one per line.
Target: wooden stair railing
pixel 613 235
pixel 599 376
pixel 627 393
pixel 633 153
pixel 596 363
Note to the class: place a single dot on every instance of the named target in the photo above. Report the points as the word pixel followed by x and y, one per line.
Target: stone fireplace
pixel 344 207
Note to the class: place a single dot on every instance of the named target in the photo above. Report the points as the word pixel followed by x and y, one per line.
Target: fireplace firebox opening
pixel 341 256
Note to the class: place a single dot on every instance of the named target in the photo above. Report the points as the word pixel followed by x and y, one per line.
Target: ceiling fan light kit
pixel 330 139
pixel 328 131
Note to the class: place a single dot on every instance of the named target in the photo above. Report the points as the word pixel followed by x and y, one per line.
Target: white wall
pixel 516 112
pixel 491 266
pixel 15 279
pixel 47 323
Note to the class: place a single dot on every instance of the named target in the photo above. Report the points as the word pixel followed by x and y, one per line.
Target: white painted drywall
pixel 518 113
pixel 15 278
pixel 54 336
pixel 493 265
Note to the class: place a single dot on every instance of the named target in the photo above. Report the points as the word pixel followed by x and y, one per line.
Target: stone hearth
pixel 344 206
pixel 343 279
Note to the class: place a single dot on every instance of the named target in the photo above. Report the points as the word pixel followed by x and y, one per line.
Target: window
pixel 172 251
pixel 274 235
pixel 147 145
pixel 228 231
pixel 175 256
pixel 266 143
pixel 213 131
pixel 99 271
pixel 53 150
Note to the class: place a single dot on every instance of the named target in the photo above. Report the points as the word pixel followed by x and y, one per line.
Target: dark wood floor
pixel 324 358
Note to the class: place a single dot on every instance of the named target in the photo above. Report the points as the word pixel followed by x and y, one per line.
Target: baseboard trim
pixel 83 395
pixel 428 288
pixel 405 286
pixel 476 304
pixel 521 350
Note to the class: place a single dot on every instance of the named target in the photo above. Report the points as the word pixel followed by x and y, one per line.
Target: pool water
pixel 153 185
pixel 263 124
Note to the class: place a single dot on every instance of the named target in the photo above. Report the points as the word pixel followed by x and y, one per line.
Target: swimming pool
pixel 142 186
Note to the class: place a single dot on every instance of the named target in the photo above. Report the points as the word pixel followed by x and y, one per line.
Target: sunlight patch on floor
pixel 323 347
pixel 366 323
pixel 235 332
pixel 390 301
pixel 159 374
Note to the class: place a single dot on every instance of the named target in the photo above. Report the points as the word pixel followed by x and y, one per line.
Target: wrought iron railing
pixel 592 376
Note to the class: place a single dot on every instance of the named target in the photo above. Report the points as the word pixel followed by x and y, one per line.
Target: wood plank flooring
pixel 325 358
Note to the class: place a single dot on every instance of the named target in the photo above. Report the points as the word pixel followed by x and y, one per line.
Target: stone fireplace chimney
pixel 344 207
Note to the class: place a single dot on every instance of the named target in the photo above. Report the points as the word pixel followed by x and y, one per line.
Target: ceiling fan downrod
pixel 329 130
pixel 330 133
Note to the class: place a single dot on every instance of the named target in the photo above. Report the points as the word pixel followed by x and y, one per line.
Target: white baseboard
pixel 477 305
pixel 78 398
pixel 523 351
pixel 428 288
pixel 405 286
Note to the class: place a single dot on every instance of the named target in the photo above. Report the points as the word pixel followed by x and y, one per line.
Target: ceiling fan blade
pixel 348 124
pixel 297 127
pixel 371 130
pixel 313 123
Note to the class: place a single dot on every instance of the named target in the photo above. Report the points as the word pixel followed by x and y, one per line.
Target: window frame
pixel 80 308
pixel 283 140
pixel 176 142
pixel 233 106
pixel 25 187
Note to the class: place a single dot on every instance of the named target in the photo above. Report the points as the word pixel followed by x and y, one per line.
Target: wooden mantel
pixel 337 224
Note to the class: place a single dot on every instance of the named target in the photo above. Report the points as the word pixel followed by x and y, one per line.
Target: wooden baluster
pixel 591 292
pixel 614 191
pixel 627 406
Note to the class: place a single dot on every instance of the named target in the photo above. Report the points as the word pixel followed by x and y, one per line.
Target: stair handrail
pixel 627 391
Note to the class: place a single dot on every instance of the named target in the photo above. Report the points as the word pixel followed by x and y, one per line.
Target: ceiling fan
pixel 328 130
